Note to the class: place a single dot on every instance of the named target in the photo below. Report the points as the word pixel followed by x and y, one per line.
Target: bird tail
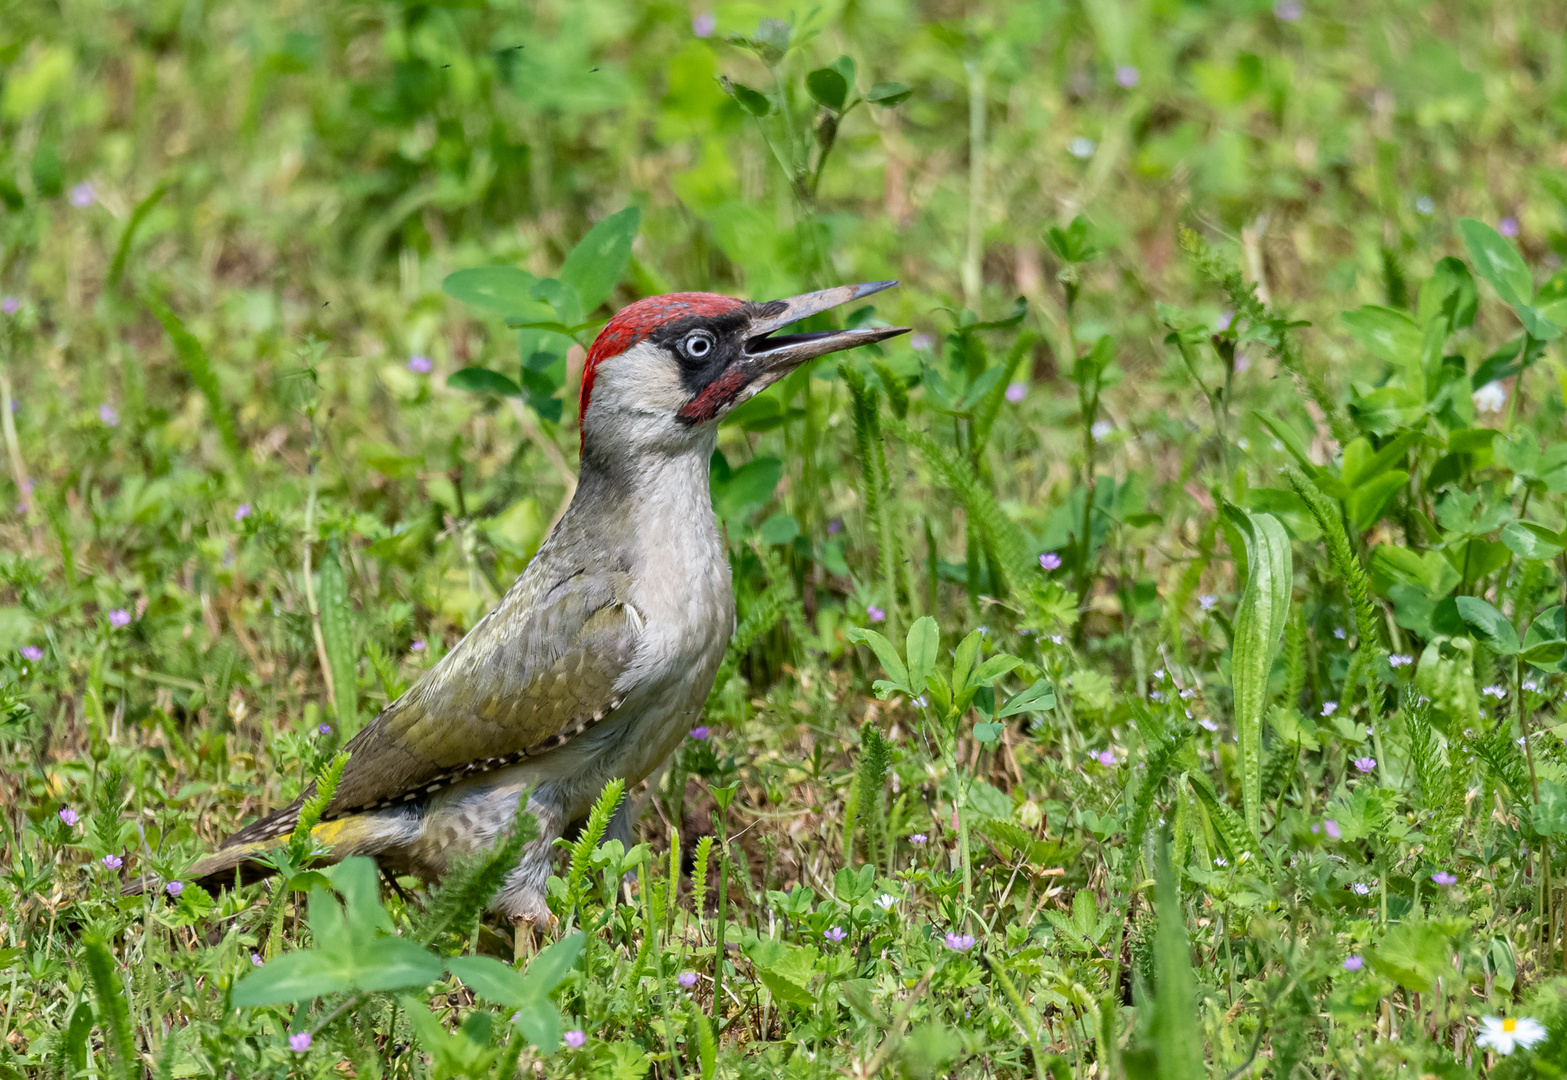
pixel 241 853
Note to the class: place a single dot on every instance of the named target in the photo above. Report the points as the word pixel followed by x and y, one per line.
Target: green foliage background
pixel 1152 665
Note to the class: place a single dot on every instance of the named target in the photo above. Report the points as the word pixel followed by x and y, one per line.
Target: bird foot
pixel 525 935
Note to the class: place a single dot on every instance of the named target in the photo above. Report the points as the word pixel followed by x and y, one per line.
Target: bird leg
pixel 524 945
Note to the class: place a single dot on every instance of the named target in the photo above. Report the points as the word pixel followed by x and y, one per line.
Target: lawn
pixel 1153 665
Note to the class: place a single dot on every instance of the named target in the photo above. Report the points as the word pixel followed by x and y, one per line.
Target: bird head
pixel 666 369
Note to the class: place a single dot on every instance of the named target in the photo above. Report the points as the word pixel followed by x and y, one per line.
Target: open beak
pixel 768 356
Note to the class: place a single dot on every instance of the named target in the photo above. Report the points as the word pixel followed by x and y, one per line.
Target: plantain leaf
pixel 1259 625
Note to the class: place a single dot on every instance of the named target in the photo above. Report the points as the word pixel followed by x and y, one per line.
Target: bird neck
pixel 650 499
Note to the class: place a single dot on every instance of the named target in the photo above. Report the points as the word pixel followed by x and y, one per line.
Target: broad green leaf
pixel 994 668
pixel 490 979
pixel 828 87
pixel 1286 435
pixel 391 963
pixel 963 661
pixel 1489 625
pixel 1550 813
pixel 1413 954
pixel 1393 336
pixel 1548 630
pixel 1497 261
pixel 539 1021
pixel 504 290
pixel 888 94
pixel 786 990
pixel 886 652
pixel 597 263
pixel 1259 624
pixel 989 734
pixel 553 963
pixel 753 102
pixel 1528 540
pixel 479 380
pixel 1037 698
pixel 295 976
pixel 1367 501
pixel 923 641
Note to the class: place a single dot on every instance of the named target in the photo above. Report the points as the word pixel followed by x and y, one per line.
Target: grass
pixel 1151 667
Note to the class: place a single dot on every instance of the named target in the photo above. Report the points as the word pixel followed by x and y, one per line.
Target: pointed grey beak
pixel 768 356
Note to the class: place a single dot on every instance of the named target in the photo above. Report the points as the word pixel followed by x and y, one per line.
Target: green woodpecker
pixel 598 660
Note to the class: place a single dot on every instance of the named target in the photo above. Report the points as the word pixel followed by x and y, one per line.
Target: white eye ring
pixel 698 344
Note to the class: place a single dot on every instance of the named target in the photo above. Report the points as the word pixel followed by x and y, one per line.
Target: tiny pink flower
pixel 1442 877
pixel 1399 660
pixel 420 364
pixel 10 305
pixel 686 979
pixel 875 614
pixel 575 1038
pixel 918 839
pixel 1016 392
pixel 1331 828
pixel 255 959
pixel 1508 226
pixel 323 729
pixel 1365 764
pixel 921 342
pixel 299 1042
pixel 700 732
pixel 174 888
pixel 1207 724
pixel 835 526
pixel 1329 708
pixel 68 816
pixel 83 195
pixel 109 415
pixel 1354 963
pixel 836 934
pixel 1207 602
pixel 113 862
pixel 703 25
pixel 1127 76
pixel 1288 10
pixel 119 617
pixel 959 942
pixel 1105 758
pixel 242 511
pixel 1224 321
pixel 417 645
pixel 32 652
pixel 1050 561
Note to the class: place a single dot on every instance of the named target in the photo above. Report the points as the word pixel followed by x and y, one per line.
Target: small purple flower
pixel 1329 708
pixel 109 415
pixel 703 25
pixel 1127 76
pixel 119 617
pixel 323 729
pixel 700 732
pixel 1242 365
pixel 1207 602
pixel 419 364
pixel 575 1038
pixel 255 959
pixel 68 816
pixel 1398 660
pixel 1081 147
pixel 299 1042
pixel 113 862
pixel 686 979
pixel 174 888
pixel 875 614
pixel 1442 877
pixel 1330 827
pixel 83 195
pixel 1050 561
pixel 1508 226
pixel 959 942
pixel 918 839
pixel 417 645
pixel 1288 10
pixel 1494 691
pixel 1105 758
pixel 1225 320
pixel 1360 888
pixel 1354 963
pixel 10 305
pixel 1340 633
pixel 1016 392
pixel 1207 724
pixel 835 526
pixel 1101 429
pixel 242 511
pixel 921 342
pixel 32 652
pixel 1365 764
pixel 835 935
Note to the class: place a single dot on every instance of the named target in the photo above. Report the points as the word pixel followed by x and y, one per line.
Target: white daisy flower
pixel 1504 1036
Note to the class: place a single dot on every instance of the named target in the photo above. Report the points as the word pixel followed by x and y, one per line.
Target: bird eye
pixel 698 344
